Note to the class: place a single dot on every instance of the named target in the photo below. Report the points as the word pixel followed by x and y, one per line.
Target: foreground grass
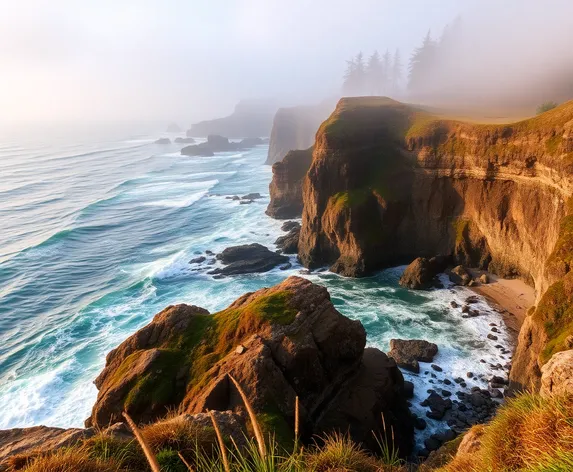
pixel 529 433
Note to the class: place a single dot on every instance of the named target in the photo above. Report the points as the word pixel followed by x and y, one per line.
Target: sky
pixel 191 60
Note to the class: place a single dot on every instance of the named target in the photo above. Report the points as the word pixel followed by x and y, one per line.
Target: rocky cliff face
pixel 278 343
pixel 251 118
pixel 389 183
pixel 286 185
pixel 294 128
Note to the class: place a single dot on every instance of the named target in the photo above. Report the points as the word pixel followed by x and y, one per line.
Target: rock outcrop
pixel 389 183
pixel 278 343
pixel 294 129
pixel 286 185
pixel 557 375
pixel 248 259
pixel 250 118
pixel 288 243
pixel 422 272
pixel 26 440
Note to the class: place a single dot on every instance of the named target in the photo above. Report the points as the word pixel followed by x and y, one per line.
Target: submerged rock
pixel 248 259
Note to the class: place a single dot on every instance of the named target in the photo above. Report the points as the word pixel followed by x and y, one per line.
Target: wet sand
pixel 512 297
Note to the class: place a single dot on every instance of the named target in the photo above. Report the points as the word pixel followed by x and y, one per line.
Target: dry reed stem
pixel 253 418
pixel 220 441
pixel 143 443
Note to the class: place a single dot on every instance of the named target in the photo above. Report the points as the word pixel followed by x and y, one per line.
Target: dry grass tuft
pixel 72 460
pixel 179 434
pixel 339 453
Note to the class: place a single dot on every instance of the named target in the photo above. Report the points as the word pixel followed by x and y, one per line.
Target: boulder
pixel 295 344
pixel 163 141
pixel 248 259
pixel 460 276
pixel 418 275
pixel 289 242
pixel 557 374
pixel 408 352
pixel 198 260
pixel 421 272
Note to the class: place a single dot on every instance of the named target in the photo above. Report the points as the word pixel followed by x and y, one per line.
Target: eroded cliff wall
pixel 389 183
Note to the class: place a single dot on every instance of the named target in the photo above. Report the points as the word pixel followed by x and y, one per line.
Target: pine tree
pixel 374 74
pixel 387 68
pixel 396 73
pixel 421 64
pixel 355 76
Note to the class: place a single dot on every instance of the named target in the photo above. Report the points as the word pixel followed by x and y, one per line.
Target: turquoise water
pixel 97 227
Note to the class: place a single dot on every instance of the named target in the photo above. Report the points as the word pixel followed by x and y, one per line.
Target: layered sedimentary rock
pixel 286 185
pixel 251 118
pixel 278 343
pixel 389 183
pixel 294 128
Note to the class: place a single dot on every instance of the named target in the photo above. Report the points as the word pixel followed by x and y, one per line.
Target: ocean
pixel 97 227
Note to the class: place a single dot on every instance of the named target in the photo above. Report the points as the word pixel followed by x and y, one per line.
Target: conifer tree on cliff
pixel 421 65
pixel 355 76
pixel 396 73
pixel 374 75
pixel 387 67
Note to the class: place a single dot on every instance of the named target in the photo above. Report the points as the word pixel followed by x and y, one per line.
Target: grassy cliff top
pixel 366 114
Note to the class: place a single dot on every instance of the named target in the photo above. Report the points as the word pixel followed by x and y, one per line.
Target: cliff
pixel 389 182
pixel 294 128
pixel 286 185
pixel 279 343
pixel 251 118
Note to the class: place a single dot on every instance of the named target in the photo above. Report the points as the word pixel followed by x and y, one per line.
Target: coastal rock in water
pixel 163 141
pixel 408 352
pixel 288 225
pixel 251 196
pixel 295 344
pixel 286 185
pixel 421 272
pixel 25 440
pixel 247 259
pixel 460 276
pixel 557 374
pixel 184 140
pixel 289 242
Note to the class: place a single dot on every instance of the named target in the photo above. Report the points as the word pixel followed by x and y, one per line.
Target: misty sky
pixel 194 59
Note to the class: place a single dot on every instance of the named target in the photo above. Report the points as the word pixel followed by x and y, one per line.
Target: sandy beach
pixel 513 297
